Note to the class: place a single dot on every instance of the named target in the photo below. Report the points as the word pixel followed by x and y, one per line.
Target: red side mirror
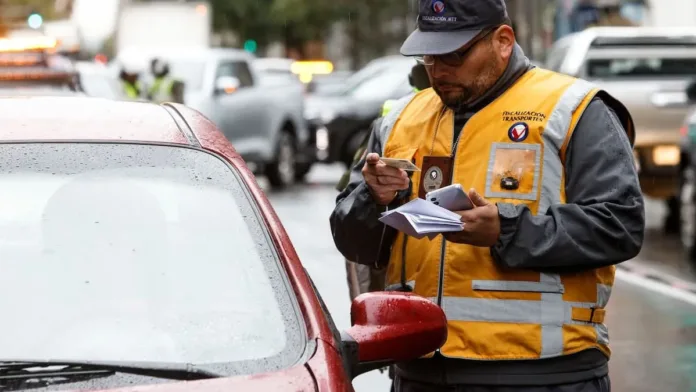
pixel 396 326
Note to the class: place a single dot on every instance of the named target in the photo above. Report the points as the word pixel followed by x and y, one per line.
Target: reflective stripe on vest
pixel 494 313
pixel 386 108
pixel 161 90
pixel 130 90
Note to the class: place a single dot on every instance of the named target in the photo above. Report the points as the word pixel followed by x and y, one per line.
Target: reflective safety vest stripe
pixel 497 313
pixel 130 90
pixel 161 90
pixel 386 108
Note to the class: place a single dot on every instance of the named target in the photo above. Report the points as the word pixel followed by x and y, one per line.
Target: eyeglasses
pixel 454 59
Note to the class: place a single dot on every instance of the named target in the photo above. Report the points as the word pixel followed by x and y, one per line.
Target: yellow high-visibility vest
pixel 496 313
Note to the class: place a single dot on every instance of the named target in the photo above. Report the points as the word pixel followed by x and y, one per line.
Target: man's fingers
pixel 372 159
pixel 478 200
pixel 468 215
pixel 388 171
pixel 385 180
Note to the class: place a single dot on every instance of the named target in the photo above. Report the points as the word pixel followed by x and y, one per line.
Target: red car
pixel 138 253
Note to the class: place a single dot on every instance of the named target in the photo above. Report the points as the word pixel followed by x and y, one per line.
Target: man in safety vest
pixel 548 163
pixel 164 88
pixel 130 81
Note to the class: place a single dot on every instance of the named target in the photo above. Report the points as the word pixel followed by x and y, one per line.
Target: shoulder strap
pixel 391 117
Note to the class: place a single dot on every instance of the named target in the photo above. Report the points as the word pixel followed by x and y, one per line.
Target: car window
pixel 236 69
pixel 385 84
pixel 641 67
pixel 139 253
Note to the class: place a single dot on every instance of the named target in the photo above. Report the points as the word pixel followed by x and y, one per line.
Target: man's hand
pixel 384 181
pixel 481 224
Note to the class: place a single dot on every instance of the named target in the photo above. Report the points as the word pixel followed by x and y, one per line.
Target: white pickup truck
pixel 263 118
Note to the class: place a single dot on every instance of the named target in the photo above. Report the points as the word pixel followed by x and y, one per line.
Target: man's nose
pixel 438 70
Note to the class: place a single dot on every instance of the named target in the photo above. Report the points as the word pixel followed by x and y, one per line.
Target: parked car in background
pixel 275 75
pixel 648 70
pixel 329 84
pixel 266 126
pixel 101 195
pixel 687 183
pixel 348 115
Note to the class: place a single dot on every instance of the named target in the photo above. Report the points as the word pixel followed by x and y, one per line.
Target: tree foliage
pixel 297 22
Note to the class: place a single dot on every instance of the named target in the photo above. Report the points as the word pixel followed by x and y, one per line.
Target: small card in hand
pixel 403 164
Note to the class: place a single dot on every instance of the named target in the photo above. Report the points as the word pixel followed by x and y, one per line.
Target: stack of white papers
pixel 419 218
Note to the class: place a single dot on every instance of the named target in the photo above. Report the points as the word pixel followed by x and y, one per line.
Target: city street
pixel 652 326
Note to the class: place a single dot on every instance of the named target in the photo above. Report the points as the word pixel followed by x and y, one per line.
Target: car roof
pixel 95 119
pixel 580 42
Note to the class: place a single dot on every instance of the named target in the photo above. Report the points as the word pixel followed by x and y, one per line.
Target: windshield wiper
pixel 14 369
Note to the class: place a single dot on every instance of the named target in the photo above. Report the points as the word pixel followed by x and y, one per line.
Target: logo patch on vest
pixel 518 132
pixel 438 6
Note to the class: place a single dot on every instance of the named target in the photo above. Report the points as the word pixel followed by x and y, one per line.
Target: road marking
pixel 656 286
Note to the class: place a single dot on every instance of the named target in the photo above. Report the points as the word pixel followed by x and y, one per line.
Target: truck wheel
pixel 687 212
pixel 301 171
pixel 281 172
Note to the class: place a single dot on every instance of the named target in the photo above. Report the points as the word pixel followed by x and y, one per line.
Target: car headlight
pixel 666 155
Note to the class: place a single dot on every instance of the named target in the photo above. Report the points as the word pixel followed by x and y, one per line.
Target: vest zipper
pixel 441 277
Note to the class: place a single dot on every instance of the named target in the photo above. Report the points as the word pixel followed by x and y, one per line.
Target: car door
pixel 240 113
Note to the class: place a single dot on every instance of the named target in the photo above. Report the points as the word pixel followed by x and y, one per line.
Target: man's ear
pixel 504 40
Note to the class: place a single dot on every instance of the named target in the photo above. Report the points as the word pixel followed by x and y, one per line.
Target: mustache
pixel 443 83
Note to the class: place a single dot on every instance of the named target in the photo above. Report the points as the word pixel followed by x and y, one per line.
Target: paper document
pixel 419 218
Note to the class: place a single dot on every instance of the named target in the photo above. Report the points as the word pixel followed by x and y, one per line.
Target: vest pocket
pixel 513 171
pixel 518 286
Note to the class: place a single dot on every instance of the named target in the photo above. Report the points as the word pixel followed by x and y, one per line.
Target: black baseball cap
pixel 446 25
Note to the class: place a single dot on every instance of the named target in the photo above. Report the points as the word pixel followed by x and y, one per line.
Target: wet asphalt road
pixel 653 335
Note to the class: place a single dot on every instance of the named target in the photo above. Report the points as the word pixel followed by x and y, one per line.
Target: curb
pixel 656 276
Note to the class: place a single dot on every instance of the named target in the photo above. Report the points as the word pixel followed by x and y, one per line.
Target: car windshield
pixel 382 85
pixel 620 68
pixel 190 72
pixel 125 252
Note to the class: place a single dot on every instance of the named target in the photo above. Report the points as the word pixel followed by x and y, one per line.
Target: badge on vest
pixel 518 132
pixel 435 174
pixel 513 171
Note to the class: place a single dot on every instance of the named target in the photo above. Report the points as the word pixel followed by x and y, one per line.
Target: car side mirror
pixel 691 92
pixel 389 327
pixel 226 85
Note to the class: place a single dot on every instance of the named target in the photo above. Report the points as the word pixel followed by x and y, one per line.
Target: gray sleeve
pixel 603 219
pixel 356 230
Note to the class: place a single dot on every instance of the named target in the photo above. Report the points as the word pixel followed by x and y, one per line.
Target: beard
pixel 456 95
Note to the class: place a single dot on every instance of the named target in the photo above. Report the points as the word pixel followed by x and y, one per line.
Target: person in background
pixel 164 88
pixel 130 80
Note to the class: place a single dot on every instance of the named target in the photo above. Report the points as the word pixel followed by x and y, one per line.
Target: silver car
pixel 648 70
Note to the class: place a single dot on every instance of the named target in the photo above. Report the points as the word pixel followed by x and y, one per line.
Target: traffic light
pixel 250 45
pixel 35 20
